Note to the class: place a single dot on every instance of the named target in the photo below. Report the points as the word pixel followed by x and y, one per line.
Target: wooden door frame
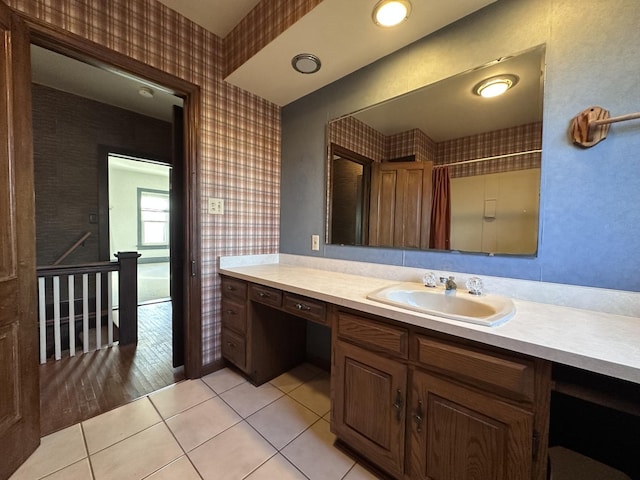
pixel 69 44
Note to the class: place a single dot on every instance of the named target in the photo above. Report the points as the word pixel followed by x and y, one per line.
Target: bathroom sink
pixel 488 310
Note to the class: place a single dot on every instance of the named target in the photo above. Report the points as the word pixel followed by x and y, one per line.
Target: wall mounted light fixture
pixel 495 86
pixel 306 63
pixel 389 13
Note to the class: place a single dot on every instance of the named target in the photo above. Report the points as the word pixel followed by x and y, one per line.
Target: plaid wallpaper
pixel 239 137
pixel 351 133
pixel 355 135
pixel 499 142
pixel 265 22
pixel 412 142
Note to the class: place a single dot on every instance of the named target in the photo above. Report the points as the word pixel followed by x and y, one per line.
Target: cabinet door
pixel 369 403
pixel 460 433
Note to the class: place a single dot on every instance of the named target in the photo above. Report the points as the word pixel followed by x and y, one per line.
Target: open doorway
pixel 72 174
pixel 139 220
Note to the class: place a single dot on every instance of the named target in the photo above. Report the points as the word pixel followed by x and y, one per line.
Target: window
pixel 153 218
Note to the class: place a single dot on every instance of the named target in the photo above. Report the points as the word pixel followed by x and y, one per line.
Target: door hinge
pixel 193 268
pixel 535 444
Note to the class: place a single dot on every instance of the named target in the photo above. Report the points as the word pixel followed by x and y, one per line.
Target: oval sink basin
pixel 488 310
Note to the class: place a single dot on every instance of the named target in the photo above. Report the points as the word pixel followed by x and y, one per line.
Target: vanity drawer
pixel 306 308
pixel 266 295
pixel 234 315
pixel 234 348
pixel 234 288
pixel 497 373
pixel 375 335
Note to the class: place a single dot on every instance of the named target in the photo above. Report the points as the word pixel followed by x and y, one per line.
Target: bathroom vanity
pixel 416 395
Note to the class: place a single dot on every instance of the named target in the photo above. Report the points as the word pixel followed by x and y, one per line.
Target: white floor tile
pixel 277 467
pixel 78 471
pixel 314 394
pixel 223 380
pixel 247 399
pixel 138 456
pixel 314 454
pixel 111 427
pixel 358 472
pixel 181 396
pixel 181 469
pixel 232 455
pixel 55 452
pixel 295 377
pixel 195 426
pixel 282 421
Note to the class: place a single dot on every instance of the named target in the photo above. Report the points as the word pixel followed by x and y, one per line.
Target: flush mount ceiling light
pixel 146 92
pixel 495 86
pixel 306 63
pixel 389 13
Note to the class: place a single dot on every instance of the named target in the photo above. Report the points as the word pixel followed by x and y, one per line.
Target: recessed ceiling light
pixel 306 63
pixel 389 13
pixel 495 86
pixel 146 92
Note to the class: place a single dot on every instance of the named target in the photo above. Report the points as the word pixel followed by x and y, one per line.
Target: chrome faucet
pixel 449 284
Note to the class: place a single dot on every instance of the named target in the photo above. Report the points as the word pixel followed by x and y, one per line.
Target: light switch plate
pixel 216 206
pixel 315 242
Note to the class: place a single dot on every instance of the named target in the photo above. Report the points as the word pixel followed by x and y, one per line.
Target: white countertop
pixel 596 341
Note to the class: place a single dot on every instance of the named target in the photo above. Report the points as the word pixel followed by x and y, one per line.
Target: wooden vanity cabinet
pixel 369 390
pixel 422 406
pixel 234 321
pixel 259 335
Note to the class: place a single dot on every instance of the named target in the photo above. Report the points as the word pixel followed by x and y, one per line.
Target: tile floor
pixel 218 427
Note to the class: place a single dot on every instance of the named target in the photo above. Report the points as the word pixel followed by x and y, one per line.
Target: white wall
pixel 125 177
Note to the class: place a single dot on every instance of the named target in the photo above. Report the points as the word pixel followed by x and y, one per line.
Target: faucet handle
pixel 429 279
pixel 474 285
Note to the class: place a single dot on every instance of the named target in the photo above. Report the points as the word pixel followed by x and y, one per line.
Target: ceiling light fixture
pixel 495 86
pixel 306 63
pixel 146 92
pixel 389 13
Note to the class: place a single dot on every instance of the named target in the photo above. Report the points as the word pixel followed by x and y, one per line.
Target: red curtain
pixel 439 236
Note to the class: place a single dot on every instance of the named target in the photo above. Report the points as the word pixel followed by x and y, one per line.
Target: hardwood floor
pixel 77 388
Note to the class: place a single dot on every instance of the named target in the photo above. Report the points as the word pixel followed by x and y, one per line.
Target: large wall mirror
pixel 443 167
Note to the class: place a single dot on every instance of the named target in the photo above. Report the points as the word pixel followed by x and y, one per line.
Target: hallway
pixel 77 388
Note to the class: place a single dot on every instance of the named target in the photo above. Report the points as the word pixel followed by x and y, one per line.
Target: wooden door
pixel 458 432
pixel 19 390
pixel 176 241
pixel 400 204
pixel 369 405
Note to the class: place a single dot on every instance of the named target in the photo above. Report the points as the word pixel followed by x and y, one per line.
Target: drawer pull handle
pixel 398 404
pixel 231 344
pixel 303 307
pixel 263 295
pixel 231 288
pixel 231 312
pixel 418 417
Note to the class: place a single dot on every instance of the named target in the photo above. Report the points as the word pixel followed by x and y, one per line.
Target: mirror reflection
pixel 443 167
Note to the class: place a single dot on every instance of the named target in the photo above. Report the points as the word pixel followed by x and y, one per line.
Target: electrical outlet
pixel 216 206
pixel 315 242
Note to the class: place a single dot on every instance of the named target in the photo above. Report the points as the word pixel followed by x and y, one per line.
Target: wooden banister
pixel 72 249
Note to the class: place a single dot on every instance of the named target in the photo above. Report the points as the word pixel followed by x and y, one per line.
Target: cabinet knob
pixel 263 295
pixel 231 312
pixel 303 307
